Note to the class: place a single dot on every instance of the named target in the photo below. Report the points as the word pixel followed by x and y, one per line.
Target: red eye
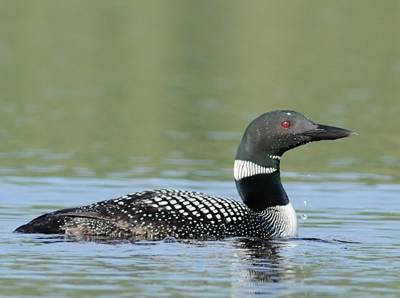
pixel 286 124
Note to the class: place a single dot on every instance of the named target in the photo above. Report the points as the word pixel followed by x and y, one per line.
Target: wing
pixel 106 218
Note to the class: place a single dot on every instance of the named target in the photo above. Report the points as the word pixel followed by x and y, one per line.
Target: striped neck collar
pixel 259 183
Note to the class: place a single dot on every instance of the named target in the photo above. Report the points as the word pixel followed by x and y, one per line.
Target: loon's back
pixel 158 214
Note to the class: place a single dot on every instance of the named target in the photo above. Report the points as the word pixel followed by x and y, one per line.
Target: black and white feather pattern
pixel 245 168
pixel 163 213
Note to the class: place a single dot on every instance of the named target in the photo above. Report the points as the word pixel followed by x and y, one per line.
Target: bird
pixel 159 214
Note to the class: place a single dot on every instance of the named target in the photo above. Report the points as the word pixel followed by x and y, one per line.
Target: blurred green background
pixel 166 88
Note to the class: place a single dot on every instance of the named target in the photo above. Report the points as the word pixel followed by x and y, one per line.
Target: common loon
pixel 159 214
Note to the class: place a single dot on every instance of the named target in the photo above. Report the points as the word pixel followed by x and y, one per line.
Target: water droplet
pixel 304 216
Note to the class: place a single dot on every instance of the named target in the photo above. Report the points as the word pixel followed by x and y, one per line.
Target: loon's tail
pixel 71 223
pixel 48 223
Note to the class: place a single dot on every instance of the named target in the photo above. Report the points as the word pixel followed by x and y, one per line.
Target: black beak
pixel 325 132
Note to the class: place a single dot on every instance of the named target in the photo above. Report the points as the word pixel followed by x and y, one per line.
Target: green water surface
pixel 128 87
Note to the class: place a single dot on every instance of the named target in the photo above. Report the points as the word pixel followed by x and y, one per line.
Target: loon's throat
pixel 259 184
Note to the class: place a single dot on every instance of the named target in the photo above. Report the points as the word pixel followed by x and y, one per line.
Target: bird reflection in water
pixel 260 262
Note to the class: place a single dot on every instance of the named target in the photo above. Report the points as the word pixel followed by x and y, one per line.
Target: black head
pixel 276 132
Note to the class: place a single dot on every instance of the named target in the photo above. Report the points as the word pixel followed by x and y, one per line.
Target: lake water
pixel 99 99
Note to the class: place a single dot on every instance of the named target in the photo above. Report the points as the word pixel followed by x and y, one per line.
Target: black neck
pixel 261 191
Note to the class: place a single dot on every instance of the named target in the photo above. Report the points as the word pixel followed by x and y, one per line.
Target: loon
pixel 177 214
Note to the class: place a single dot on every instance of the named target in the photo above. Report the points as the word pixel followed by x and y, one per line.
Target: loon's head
pixel 275 132
pixel 256 169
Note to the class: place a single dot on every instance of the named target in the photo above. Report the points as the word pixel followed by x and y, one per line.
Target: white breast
pixel 291 218
pixel 284 220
